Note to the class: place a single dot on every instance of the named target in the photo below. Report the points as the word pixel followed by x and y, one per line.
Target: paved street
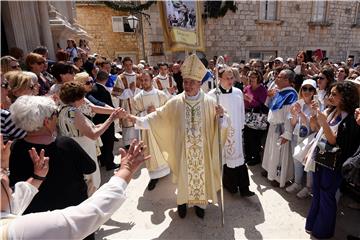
pixel 272 213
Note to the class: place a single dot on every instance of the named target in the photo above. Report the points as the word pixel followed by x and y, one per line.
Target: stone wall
pixel 237 34
pixel 97 21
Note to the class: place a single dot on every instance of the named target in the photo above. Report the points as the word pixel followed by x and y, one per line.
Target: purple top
pixel 259 96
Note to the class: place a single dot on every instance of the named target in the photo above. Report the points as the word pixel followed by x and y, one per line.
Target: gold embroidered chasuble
pixel 186 133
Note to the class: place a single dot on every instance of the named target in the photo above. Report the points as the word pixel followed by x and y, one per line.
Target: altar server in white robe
pixel 164 81
pixel 235 176
pixel 146 102
pixel 125 88
pixel 277 160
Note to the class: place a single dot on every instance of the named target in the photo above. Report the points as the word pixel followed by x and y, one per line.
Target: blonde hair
pixel 5 64
pixel 17 81
pixel 81 77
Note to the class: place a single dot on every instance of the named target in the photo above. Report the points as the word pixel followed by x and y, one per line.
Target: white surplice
pixel 233 103
pixel 165 83
pixel 129 133
pixel 157 166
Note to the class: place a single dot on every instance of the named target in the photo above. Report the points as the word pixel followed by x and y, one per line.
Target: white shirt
pixel 74 222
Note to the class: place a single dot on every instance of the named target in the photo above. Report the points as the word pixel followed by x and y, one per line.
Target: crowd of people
pixel 298 118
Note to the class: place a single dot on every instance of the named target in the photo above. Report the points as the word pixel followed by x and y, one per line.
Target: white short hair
pixel 29 112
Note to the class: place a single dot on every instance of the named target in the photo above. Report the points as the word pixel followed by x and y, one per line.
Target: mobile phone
pixel 317 100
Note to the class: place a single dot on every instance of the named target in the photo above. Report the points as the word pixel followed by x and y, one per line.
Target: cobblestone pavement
pixel 271 214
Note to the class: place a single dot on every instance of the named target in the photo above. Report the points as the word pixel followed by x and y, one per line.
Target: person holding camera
pixel 337 129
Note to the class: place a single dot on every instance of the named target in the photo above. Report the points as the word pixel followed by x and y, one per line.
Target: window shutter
pixel 262 11
pixel 271 10
pixel 118 24
pixel 319 11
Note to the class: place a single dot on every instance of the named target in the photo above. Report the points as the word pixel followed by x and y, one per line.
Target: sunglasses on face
pixel 89 82
pixel 5 85
pixel 308 89
pixel 15 66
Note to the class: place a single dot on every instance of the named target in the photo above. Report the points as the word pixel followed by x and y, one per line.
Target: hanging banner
pixel 182 25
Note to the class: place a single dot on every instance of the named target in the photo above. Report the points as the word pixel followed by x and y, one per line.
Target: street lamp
pixel 133 22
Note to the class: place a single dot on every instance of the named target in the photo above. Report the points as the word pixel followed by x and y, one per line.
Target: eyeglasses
pixel 89 82
pixel 5 85
pixel 308 89
pixel 15 66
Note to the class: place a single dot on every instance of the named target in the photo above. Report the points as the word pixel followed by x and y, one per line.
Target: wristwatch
pixel 37 177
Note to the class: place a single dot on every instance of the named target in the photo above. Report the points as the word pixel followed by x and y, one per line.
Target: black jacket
pixel 102 94
pixel 348 138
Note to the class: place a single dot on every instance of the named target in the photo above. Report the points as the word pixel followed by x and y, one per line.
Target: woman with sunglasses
pixel 324 81
pixel 8 64
pixel 36 64
pixel 8 128
pixel 73 123
pixel 300 120
pixel 336 126
pixel 20 84
pixel 91 105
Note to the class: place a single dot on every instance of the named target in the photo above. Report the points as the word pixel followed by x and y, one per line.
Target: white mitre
pixel 193 68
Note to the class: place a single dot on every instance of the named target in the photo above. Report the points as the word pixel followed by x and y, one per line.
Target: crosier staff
pixel 220 61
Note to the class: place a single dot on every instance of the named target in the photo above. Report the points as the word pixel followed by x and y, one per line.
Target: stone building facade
pixel 28 24
pixel 110 33
pixel 258 29
pixel 332 26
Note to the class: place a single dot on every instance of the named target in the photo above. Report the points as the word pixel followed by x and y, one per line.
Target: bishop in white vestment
pixel 186 129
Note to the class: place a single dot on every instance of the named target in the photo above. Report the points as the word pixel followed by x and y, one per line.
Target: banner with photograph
pixel 182 25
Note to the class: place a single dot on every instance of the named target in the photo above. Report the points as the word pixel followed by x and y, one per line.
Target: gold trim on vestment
pixel 194 153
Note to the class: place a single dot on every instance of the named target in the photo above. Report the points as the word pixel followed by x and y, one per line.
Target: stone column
pixel 30 24
pixel 13 25
pixel 45 31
